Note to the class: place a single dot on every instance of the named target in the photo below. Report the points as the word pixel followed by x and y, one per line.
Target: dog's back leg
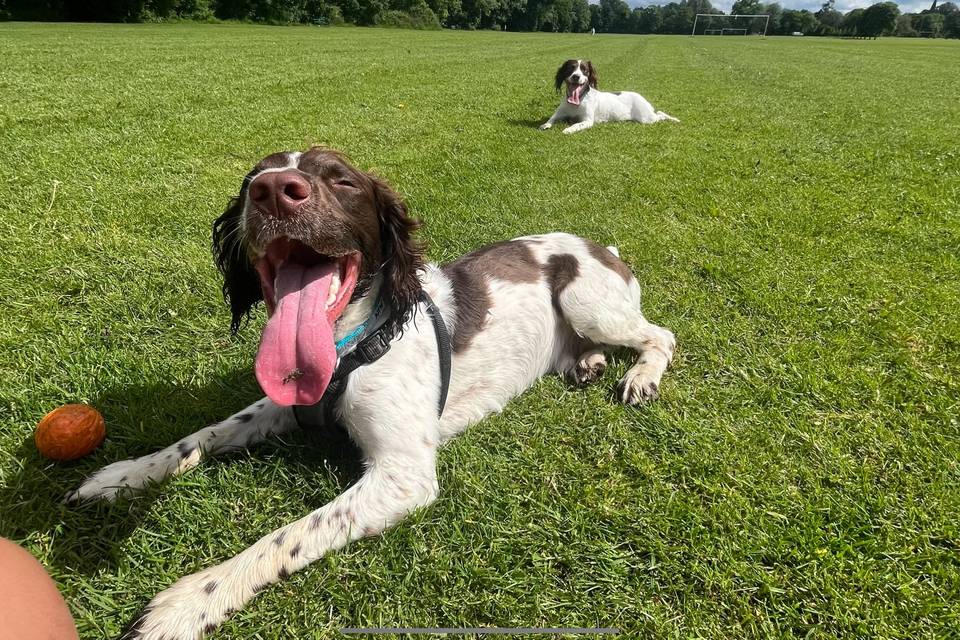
pixel 250 426
pixel 602 303
pixel 589 367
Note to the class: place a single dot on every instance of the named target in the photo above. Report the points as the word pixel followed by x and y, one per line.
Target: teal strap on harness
pixel 377 319
pixel 367 344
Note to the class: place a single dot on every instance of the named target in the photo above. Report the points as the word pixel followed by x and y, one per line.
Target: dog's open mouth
pixel 305 293
pixel 573 92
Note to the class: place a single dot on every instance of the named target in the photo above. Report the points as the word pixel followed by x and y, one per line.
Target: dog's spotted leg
pixel 549 123
pixel 239 431
pixel 580 126
pixel 197 603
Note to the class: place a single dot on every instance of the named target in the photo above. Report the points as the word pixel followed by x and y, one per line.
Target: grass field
pixel 799 231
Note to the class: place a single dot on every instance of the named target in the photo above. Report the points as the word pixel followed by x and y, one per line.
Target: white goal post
pixel 726 30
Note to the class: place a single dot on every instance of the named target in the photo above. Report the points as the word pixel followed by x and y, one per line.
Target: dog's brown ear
pixel 241 286
pixel 592 75
pixel 562 74
pixel 402 253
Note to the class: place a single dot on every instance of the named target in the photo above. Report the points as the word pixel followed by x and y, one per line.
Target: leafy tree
pixel 789 22
pixel 647 20
pixel 829 18
pixel 851 22
pixel 581 16
pixel 905 26
pixel 676 18
pixel 747 7
pixel 414 14
pixel 930 24
pixel 505 13
pixel 105 10
pixel 614 16
pixel 550 15
pixel 36 9
pixel 595 18
pixel 445 9
pixel 947 8
pixel 476 14
pixel 879 19
pixel 232 10
pixel 808 22
pixel 776 13
pixel 951 25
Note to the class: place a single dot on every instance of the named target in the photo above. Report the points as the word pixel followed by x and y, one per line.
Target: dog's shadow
pixel 526 123
pixel 140 419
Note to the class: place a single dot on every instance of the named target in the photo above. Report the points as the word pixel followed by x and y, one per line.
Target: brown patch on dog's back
pixel 512 261
pixel 610 261
pixel 561 270
pixel 472 298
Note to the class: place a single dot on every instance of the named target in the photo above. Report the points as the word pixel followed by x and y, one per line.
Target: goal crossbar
pixel 766 22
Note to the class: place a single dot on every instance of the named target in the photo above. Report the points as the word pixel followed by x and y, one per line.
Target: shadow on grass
pixel 140 419
pixel 526 123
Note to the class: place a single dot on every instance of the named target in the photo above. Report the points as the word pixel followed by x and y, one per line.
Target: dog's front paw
pixel 127 476
pixel 108 482
pixel 188 610
pixel 637 388
pixel 545 126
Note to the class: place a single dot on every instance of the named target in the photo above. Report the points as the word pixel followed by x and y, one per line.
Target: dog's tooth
pixel 334 288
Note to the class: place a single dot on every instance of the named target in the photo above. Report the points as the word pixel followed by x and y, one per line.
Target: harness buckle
pixel 373 348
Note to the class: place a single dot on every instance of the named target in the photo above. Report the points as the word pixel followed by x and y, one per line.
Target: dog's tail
pixel 612 249
pixel 666 116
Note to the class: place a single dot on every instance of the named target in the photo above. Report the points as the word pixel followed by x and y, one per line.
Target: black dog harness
pixel 370 349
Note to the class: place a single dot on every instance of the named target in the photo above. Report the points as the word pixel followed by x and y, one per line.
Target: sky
pixel 906 6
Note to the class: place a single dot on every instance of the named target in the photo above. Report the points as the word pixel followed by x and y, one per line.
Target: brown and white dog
pixel 320 242
pixel 585 105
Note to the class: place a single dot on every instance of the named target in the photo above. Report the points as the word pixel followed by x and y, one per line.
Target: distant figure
pixel 593 31
pixel 585 105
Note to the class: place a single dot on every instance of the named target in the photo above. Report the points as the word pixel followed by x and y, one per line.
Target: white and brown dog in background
pixel 319 241
pixel 585 105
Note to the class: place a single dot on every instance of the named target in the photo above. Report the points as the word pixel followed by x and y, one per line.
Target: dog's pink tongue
pixel 574 97
pixel 297 355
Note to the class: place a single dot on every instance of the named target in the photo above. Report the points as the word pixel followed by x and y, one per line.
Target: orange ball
pixel 70 432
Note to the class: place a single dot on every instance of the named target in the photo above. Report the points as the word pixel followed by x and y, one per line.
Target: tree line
pixel 608 16
pixel 880 19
